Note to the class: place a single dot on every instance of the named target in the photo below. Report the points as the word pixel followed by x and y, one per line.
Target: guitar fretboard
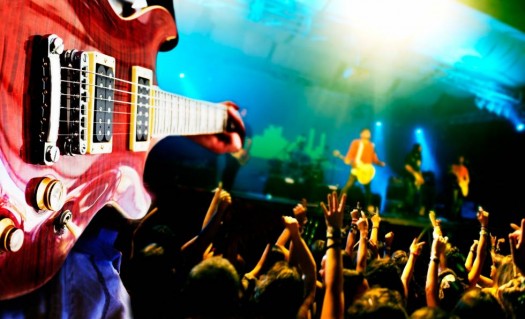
pixel 178 115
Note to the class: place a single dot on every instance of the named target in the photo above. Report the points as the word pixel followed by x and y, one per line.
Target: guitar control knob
pixel 11 238
pixel 65 221
pixel 50 194
pixel 52 154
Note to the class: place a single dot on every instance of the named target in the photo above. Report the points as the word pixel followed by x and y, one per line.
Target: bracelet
pixel 472 251
pixel 333 232
pixel 434 259
pixel 334 245
pixel 375 227
pixel 413 253
pixel 484 232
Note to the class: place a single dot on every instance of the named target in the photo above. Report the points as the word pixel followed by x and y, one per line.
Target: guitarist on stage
pixel 414 180
pixel 361 155
pixel 459 185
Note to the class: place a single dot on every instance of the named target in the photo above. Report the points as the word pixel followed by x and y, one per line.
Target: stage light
pixel 378 123
pixel 402 19
pixel 289 180
pixel 182 75
pixel 419 131
pixel 520 127
pixel 348 72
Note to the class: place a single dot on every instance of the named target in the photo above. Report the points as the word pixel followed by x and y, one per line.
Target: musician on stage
pixel 458 186
pixel 414 180
pixel 361 156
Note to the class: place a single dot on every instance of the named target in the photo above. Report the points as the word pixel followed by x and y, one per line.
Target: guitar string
pixel 180 102
pixel 119 80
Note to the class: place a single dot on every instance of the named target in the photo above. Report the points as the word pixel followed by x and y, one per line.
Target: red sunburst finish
pixel 92 181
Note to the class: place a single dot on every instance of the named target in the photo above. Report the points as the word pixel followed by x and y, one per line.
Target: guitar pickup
pixel 88 102
pixel 141 111
pixel 72 101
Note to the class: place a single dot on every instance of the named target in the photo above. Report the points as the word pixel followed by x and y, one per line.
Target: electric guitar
pixel 463 186
pixel 79 111
pixel 419 180
pixel 463 183
pixel 364 172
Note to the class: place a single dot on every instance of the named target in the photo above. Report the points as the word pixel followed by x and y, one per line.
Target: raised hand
pixel 389 239
pixel 517 246
pixel 483 217
pixel 375 218
pixel 292 225
pixel 416 247
pixel 362 223
pixel 299 212
pixel 439 245
pixel 333 210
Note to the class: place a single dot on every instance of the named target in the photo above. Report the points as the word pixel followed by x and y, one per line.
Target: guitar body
pixel 419 180
pixel 463 186
pixel 364 173
pixel 90 181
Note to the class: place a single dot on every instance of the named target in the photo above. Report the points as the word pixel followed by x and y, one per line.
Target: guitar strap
pixel 359 153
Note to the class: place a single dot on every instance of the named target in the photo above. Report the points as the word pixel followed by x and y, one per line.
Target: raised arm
pixel 389 239
pixel 517 247
pixel 437 250
pixel 299 212
pixel 362 250
pixel 333 302
pixel 481 253
pixel 353 233
pixel 471 254
pixel 376 221
pixel 408 272
pixel 194 249
pixel 305 261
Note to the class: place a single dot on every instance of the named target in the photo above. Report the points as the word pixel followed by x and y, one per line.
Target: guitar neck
pixel 178 115
pixel 156 113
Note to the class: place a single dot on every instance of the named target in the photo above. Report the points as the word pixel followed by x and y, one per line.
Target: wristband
pixel 434 259
pixel 334 245
pixel 333 232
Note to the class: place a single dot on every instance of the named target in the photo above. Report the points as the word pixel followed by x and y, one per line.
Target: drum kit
pixel 298 166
